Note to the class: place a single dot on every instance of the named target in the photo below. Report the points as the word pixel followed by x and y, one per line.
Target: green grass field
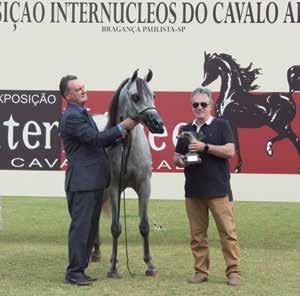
pixel 33 251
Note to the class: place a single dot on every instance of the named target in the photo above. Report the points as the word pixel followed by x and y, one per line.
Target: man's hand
pixel 129 123
pixel 179 160
pixel 196 146
pixel 223 151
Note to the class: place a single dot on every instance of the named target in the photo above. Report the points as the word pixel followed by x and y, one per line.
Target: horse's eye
pixel 135 97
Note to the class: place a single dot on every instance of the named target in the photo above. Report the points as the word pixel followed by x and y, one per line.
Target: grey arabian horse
pixel 133 99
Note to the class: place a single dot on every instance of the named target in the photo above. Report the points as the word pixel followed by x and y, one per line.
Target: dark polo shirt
pixel 211 178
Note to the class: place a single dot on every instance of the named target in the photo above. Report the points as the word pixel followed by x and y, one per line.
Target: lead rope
pixel 124 203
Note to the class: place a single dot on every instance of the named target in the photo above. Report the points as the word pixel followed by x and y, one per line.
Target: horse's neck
pixel 140 154
pixel 230 83
pixel 122 110
pixel 225 84
pixel 121 117
pixel 138 133
pixel 230 80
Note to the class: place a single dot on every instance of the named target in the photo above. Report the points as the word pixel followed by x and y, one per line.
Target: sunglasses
pixel 202 104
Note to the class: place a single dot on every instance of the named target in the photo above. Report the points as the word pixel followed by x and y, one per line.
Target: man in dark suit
pixel 87 174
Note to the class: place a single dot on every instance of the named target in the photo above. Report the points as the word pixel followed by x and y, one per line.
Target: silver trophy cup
pixel 191 158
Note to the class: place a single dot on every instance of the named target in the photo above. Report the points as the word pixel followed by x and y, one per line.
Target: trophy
pixel 191 157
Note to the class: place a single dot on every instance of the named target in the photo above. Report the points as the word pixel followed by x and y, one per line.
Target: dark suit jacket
pixel 88 166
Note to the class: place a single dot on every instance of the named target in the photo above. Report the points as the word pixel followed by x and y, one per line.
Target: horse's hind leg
pixel 293 138
pixel 238 167
pixel 115 231
pixel 144 194
pixel 96 255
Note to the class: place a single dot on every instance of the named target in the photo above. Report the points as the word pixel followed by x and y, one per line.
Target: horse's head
pixel 225 65
pixel 138 102
pixel 191 136
pixel 211 68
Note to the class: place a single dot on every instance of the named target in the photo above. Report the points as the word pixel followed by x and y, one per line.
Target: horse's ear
pixel 134 75
pixel 206 56
pixel 149 75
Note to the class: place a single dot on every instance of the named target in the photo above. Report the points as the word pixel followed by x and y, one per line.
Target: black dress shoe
pixel 81 281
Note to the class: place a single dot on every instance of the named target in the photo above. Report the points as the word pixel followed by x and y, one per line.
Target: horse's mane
pixel 113 107
pixel 246 75
pixel 114 104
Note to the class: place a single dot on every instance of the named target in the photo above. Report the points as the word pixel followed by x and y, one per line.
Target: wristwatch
pixel 206 148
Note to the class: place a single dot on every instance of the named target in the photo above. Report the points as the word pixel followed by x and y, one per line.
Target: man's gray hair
pixel 203 91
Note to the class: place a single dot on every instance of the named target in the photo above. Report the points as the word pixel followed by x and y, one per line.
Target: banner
pixel 28 130
pixel 175 110
pixel 246 52
pixel 30 140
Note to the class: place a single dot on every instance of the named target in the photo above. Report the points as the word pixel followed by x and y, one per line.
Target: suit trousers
pixel 222 212
pixel 84 208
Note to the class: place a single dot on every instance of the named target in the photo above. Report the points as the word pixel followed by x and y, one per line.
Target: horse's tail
pixel 293 77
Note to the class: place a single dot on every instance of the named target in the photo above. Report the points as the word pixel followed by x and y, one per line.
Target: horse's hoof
pixel 237 169
pixel 269 149
pixel 113 275
pixel 95 258
pixel 152 273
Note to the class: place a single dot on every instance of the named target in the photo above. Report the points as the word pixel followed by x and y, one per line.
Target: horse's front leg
pixel 115 231
pixel 269 144
pixel 283 133
pixel 144 230
pixel 144 194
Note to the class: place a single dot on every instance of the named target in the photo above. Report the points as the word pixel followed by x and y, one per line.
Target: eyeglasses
pixel 202 104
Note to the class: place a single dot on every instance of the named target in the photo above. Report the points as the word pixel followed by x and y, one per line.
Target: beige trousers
pixel 198 215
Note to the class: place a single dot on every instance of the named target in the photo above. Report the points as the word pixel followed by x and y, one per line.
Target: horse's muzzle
pixel 154 122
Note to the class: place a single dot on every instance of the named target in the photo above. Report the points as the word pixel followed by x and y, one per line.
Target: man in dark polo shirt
pixel 207 187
